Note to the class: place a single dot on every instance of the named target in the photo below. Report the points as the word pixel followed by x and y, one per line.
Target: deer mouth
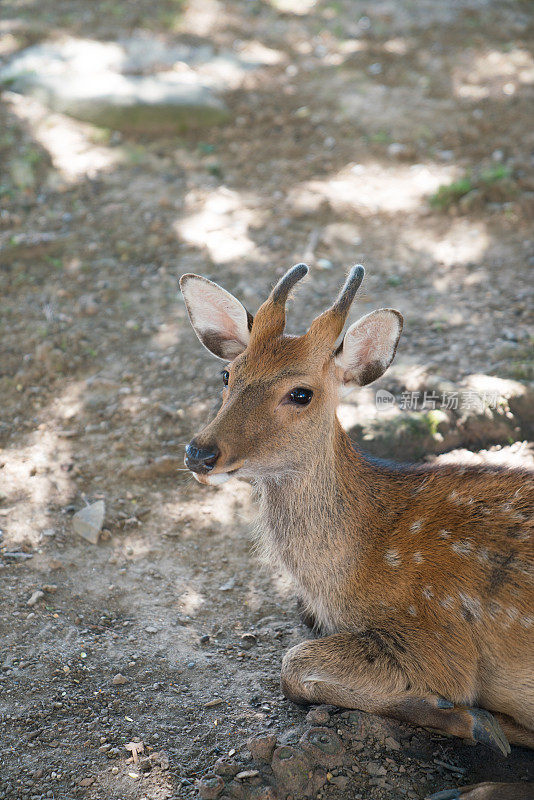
pixel 210 479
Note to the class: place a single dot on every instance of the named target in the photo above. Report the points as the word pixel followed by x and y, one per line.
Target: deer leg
pixel 307 618
pixel 358 671
pixel 515 733
pixel 488 791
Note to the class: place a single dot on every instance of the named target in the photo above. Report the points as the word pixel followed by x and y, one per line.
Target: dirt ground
pixel 335 149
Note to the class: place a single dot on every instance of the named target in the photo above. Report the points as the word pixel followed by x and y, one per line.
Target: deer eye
pixel 225 376
pixel 301 396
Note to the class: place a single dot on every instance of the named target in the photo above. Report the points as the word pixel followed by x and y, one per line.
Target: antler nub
pixel 270 320
pixel 348 292
pixel 281 290
pixel 327 327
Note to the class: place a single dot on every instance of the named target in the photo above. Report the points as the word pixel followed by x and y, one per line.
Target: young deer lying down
pixel 420 579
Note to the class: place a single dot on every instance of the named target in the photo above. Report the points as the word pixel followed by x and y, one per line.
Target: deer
pixel 418 580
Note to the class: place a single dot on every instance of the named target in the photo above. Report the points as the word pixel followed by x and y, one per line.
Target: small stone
pixel 17 555
pixel 151 629
pixel 34 599
pixel 262 747
pixel 324 263
pixel 226 587
pixel 49 588
pixel 89 520
pixel 145 765
pixel 210 787
pixel 247 773
pixel 225 767
pixel 324 747
pixel 204 639
pixel 318 715
pixel 212 703
pixel 119 680
pixel 375 769
pixel 248 640
pixel 340 781
pixel 292 769
pixel 391 743
pixel 86 782
pixel 87 305
pixel 114 770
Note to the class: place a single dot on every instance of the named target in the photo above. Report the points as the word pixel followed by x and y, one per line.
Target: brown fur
pixel 422 578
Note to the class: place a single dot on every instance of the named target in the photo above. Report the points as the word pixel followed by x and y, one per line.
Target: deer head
pixel 280 392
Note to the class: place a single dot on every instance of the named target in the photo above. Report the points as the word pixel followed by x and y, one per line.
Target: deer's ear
pixel 219 320
pixel 368 347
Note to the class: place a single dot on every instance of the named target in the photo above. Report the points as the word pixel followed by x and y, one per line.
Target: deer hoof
pixel 487 730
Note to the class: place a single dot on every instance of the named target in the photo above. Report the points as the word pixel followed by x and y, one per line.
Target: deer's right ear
pixel 219 320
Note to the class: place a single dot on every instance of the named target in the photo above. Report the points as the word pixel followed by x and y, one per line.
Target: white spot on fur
pixel 471 604
pixel 417 557
pixel 444 534
pixel 463 547
pixel 417 525
pixel 526 622
pixel 454 497
pixel 412 610
pixel 393 558
pixel 428 592
pixel 447 602
pixel 512 612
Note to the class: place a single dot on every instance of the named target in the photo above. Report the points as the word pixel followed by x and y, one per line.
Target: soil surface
pixel 168 632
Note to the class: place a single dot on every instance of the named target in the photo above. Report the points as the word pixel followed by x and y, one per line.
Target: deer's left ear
pixel 368 347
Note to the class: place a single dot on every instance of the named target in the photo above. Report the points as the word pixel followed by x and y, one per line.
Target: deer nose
pixel 201 459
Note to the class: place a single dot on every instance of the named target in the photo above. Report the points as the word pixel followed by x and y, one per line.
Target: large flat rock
pixel 106 83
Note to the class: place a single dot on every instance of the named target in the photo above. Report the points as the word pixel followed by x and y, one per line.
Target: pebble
pixel 119 679
pixel 247 773
pixel 262 747
pixel 375 769
pixel 210 787
pixel 89 520
pixel 248 640
pixel 223 766
pixel 391 743
pixel 34 599
pixel 227 586
pixel 318 716
pixel 17 555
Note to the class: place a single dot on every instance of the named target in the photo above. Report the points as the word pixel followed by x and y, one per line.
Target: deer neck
pixel 311 521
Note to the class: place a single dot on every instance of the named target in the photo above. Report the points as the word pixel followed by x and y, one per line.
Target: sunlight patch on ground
pixel 219 222
pixel 293 6
pixel 36 475
pixel 229 506
pixel 190 601
pixel 494 73
pixel 259 53
pixel 203 17
pixel 33 477
pixel 464 242
pixel 372 188
pixel 70 143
